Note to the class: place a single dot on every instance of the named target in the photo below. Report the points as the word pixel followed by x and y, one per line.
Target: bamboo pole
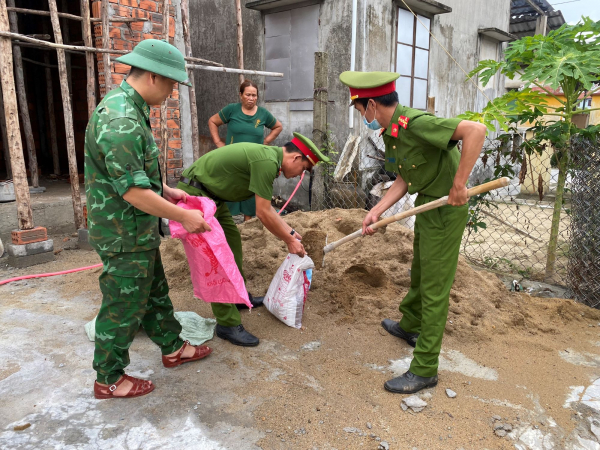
pixel 74 17
pixel 240 38
pixel 24 214
pixel 41 13
pixel 5 148
pixel 67 39
pixel 164 130
pixel 106 46
pixel 51 116
pixel 68 114
pixel 23 104
pixel 89 57
pixel 230 70
pixel 80 48
pixel 185 20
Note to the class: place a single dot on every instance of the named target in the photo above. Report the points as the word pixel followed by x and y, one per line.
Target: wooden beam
pixel 51 116
pixel 164 130
pixel 5 148
pixel 185 20
pixel 67 40
pixel 86 29
pixel 42 13
pixel 240 38
pixel 229 70
pixel 79 48
pixel 106 45
pixel 536 7
pixel 23 104
pixel 68 115
pixel 11 114
pixel 319 134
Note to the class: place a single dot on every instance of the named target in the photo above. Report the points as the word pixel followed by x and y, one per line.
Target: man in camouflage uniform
pixel 125 196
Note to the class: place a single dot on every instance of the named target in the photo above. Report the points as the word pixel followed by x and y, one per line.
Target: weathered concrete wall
pixel 457 31
pixel 214 37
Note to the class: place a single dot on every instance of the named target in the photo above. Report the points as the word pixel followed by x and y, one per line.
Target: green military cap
pixel 309 149
pixel 160 57
pixel 369 84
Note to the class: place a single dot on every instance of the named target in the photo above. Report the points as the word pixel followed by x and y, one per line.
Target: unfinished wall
pixel 214 37
pixel 124 37
pixel 457 31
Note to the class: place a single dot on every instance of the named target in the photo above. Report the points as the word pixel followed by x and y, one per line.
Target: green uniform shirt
pixel 120 152
pixel 236 172
pixel 244 128
pixel 423 153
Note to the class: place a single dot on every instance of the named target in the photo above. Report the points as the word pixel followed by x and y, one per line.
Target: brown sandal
pixel 140 387
pixel 202 351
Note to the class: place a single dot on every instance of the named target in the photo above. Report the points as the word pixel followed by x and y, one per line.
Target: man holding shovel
pixel 235 173
pixel 421 149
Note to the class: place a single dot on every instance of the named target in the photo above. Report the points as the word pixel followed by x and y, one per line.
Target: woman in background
pixel 246 122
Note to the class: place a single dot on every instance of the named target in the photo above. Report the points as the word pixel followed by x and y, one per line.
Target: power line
pixel 562 3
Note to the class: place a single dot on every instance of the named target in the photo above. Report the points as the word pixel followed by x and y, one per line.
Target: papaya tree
pixel 563 65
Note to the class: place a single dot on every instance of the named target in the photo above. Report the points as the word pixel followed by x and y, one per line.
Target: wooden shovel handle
pixel 480 189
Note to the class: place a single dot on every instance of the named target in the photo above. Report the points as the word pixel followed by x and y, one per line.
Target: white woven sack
pixel 287 292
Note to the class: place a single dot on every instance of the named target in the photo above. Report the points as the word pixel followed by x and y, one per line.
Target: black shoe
pixel 237 335
pixel 394 329
pixel 409 383
pixel 256 302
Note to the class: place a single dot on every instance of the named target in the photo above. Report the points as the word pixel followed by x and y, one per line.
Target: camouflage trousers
pixel 134 292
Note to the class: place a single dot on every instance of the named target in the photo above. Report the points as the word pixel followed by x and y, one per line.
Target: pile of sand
pixel 364 280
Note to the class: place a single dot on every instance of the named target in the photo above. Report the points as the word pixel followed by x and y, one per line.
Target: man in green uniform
pixel 421 149
pixel 125 196
pixel 235 173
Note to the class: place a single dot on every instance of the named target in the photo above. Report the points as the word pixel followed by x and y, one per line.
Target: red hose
pixel 41 275
pixel 297 186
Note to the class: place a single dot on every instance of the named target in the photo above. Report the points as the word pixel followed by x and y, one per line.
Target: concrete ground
pixel 46 381
pixel 52 209
pixel 317 388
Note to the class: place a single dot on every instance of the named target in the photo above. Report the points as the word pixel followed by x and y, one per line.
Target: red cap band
pixel 373 92
pixel 306 151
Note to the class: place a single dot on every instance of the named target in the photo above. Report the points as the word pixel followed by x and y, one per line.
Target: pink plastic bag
pixel 215 276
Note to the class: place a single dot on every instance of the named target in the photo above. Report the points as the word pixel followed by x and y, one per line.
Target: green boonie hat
pixel 160 57
pixel 369 84
pixel 309 149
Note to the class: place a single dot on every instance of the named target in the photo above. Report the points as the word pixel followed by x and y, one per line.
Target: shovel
pixel 486 187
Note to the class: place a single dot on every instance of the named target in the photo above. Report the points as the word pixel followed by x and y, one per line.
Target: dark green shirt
pixel 244 128
pixel 423 153
pixel 236 172
pixel 120 152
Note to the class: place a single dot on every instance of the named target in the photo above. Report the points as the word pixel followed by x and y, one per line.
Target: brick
pixel 174 154
pixel 175 143
pixel 121 68
pixel 171 123
pixel 122 11
pixel 115 32
pixel 142 14
pixel 30 260
pixel 171 27
pixel 175 133
pixel 96 8
pixel 156 18
pixel 172 103
pixel 148 5
pixel 117 78
pixel 128 2
pixel 30 249
pixel 157 28
pixel 174 163
pixel 36 234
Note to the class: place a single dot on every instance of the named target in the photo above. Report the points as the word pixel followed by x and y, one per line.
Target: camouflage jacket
pixel 120 152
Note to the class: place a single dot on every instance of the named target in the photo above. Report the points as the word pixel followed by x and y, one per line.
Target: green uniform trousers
pixel 247 207
pixel 134 291
pixel 227 314
pixel 438 235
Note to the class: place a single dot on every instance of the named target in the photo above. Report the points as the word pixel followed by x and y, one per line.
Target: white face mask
pixel 374 124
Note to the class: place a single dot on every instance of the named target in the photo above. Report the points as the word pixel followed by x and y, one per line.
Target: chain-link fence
pixel 584 258
pixel 509 229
